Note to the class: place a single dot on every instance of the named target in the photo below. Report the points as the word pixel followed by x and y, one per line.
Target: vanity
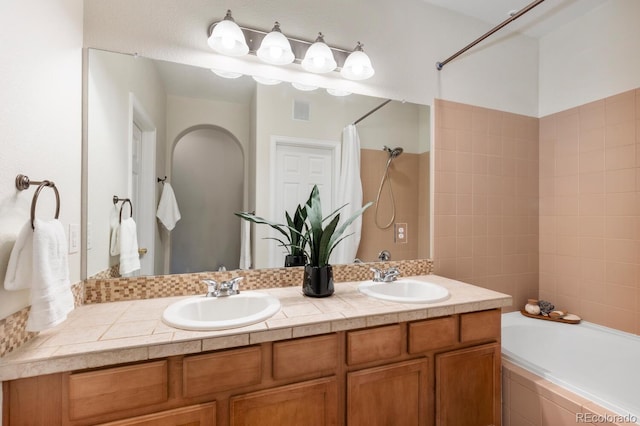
pixel 347 359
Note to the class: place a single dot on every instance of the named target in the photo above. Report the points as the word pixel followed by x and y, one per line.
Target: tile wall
pixel 486 198
pixel 590 210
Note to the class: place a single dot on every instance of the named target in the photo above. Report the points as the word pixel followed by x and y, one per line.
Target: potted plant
pixel 294 239
pixel 321 240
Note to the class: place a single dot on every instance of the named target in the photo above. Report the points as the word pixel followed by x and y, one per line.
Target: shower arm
pixel 440 65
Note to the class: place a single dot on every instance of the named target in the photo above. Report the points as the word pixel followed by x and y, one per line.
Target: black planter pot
pixel 318 281
pixel 295 260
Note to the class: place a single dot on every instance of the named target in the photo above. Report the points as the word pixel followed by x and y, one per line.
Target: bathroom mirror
pixel 221 144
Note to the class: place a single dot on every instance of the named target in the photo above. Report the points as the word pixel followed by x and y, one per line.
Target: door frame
pixel 299 142
pixel 147 190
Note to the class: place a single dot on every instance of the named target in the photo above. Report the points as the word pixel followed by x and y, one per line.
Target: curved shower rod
pixel 440 65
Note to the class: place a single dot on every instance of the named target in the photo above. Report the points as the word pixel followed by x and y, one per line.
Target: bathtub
pixel 599 364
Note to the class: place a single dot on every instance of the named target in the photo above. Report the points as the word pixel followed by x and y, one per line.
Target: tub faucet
pixel 225 288
pixel 386 276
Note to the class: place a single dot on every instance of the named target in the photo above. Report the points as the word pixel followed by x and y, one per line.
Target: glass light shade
pixel 304 87
pixel 357 66
pixel 266 81
pixel 319 57
pixel 275 48
pixel 227 74
pixel 227 38
pixel 338 92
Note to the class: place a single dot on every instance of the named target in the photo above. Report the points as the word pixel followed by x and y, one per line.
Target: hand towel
pixel 168 211
pixel 19 269
pixel 114 224
pixel 51 297
pixel 245 244
pixel 129 256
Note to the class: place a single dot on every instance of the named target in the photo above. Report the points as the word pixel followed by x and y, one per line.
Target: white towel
pixel 245 244
pixel 114 224
pixel 20 267
pixel 168 211
pixel 43 251
pixel 129 256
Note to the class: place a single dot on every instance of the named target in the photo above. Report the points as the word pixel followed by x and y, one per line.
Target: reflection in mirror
pixel 230 145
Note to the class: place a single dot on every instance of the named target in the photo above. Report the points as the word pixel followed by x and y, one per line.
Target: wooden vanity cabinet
pixel 443 371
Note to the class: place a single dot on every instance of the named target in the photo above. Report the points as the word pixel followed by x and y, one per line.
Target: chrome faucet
pixel 225 288
pixel 385 276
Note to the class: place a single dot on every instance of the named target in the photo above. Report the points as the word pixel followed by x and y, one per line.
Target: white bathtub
pixel 598 363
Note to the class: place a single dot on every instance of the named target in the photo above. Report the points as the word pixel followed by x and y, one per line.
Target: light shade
pixel 358 65
pixel 338 92
pixel 266 81
pixel 275 48
pixel 304 87
pixel 227 38
pixel 226 74
pixel 319 58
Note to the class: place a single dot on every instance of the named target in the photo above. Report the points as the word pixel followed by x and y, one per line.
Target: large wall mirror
pixel 227 145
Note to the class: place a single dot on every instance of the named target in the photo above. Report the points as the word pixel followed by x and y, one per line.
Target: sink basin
pixel 219 313
pixel 405 291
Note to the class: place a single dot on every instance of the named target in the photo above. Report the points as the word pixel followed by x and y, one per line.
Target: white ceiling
pixel 539 21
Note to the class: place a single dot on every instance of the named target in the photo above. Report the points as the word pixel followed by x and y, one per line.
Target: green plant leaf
pixel 335 238
pixel 327 236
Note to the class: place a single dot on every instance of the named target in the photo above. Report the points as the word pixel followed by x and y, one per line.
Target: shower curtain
pixel 350 193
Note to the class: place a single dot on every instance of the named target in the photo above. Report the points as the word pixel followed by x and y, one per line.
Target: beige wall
pixel 486 198
pixel 590 210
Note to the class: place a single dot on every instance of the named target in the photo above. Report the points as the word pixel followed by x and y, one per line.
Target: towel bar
pixel 23 182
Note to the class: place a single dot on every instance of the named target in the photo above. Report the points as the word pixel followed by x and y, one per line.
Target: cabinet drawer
pixel 480 325
pixel 433 334
pixel 205 374
pixel 374 344
pixel 194 415
pixel 291 358
pixel 116 389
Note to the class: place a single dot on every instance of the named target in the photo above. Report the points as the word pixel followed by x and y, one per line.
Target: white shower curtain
pixel 350 193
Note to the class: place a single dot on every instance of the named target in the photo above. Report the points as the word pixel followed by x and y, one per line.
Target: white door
pixel 299 165
pixel 142 195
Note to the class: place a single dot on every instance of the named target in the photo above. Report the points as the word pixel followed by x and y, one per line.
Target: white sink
pixel 405 291
pixel 219 313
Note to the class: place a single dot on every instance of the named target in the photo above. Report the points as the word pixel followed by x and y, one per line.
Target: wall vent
pixel 301 110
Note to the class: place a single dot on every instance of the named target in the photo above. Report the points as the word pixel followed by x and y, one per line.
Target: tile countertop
pixel 104 334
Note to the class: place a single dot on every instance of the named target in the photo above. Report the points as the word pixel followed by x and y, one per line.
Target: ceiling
pixel 539 21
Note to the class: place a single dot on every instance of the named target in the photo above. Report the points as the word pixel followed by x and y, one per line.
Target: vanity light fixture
pixel 358 65
pixel 226 74
pixel 319 58
pixel 275 48
pixel 227 38
pixel 304 87
pixel 266 81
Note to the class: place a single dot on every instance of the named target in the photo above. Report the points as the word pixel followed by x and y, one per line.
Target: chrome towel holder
pixel 23 182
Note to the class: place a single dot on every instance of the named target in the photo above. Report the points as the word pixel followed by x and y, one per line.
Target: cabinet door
pixel 195 415
pixel 468 387
pixel 311 403
pixel 396 394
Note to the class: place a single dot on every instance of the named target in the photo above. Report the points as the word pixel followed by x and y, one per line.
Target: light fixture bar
pixel 299 47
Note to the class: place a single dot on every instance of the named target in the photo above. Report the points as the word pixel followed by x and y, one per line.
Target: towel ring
pixel 35 200
pixel 126 200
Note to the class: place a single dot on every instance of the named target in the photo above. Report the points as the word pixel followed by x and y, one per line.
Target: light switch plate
pixel 74 238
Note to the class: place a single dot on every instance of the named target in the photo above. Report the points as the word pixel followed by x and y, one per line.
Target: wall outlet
pixel 74 238
pixel 400 233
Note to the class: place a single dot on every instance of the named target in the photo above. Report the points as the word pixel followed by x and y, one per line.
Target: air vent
pixel 301 110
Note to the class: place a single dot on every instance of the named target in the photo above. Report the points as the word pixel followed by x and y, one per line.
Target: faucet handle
pixel 377 274
pixel 391 274
pixel 234 284
pixel 212 287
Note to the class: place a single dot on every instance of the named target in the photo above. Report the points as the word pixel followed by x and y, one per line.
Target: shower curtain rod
pixel 440 65
pixel 372 111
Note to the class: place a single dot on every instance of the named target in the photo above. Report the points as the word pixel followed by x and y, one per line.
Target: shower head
pixel 393 153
